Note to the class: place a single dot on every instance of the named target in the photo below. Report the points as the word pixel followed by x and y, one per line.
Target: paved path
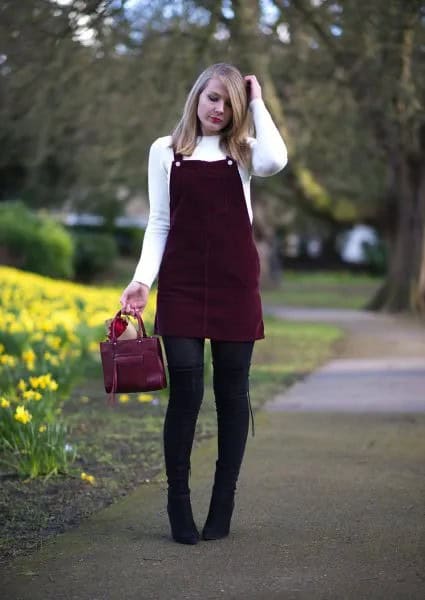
pixel 330 502
pixel 379 356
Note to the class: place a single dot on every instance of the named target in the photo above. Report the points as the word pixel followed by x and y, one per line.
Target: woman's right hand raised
pixel 134 298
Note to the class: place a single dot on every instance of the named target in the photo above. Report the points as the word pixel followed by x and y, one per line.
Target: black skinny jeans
pixel 231 363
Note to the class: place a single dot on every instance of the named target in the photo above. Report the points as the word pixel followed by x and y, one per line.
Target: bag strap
pixel 112 399
pixel 140 330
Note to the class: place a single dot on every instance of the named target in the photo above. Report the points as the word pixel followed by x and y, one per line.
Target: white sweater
pixel 269 156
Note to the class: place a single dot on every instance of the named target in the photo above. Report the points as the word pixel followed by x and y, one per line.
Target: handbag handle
pixel 141 328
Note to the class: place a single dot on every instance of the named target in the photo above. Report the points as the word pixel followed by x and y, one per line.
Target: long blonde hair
pixel 233 139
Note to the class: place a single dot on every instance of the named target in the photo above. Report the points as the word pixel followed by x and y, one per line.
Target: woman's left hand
pixel 253 87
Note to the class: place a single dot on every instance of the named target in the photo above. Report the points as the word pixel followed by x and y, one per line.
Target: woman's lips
pixel 216 120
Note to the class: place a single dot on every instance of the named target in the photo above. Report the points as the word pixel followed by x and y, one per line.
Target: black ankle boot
pixel 217 525
pixel 183 526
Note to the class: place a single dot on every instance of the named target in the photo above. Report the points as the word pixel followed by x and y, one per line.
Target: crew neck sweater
pixel 269 156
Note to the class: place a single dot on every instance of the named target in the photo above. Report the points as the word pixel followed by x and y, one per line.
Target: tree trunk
pixel 405 284
pixel 419 299
pixel 419 289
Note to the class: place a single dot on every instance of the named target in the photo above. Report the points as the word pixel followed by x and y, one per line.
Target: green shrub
pixel 94 254
pixel 129 240
pixel 34 242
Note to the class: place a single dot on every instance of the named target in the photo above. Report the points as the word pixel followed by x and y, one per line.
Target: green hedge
pixel 34 242
pixel 128 239
pixel 95 254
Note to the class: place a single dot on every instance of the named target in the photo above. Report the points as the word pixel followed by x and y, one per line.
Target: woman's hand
pixel 134 298
pixel 253 87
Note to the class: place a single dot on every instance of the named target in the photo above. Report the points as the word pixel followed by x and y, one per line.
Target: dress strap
pixel 177 155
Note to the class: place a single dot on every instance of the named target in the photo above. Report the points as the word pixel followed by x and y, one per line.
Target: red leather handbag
pixel 132 365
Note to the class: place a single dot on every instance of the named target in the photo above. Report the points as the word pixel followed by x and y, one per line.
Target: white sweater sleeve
pixel 159 216
pixel 269 153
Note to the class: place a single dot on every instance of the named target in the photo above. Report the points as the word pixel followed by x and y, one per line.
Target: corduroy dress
pixel 208 282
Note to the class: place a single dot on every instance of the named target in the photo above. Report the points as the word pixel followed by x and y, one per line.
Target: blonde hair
pixel 234 136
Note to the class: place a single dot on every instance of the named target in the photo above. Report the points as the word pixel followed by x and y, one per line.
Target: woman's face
pixel 214 108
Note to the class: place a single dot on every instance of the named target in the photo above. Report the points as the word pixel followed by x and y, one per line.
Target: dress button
pixel 178 163
pixel 230 162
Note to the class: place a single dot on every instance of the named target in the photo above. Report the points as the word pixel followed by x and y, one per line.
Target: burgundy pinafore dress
pixel 208 282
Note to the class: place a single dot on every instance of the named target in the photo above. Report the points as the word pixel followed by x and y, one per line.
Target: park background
pixel 86 86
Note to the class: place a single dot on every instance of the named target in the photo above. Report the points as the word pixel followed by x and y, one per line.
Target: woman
pixel 199 243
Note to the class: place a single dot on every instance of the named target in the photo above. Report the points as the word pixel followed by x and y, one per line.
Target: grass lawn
pixel 324 290
pixel 122 447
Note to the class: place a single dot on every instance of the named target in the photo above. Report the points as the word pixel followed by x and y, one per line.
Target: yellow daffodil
pixel 88 478
pixel 29 358
pixel 37 337
pixel 42 428
pixel 124 398
pixel 145 397
pixel 8 360
pixel 31 395
pixel 22 415
pixel 28 355
pixel 36 382
pixel 22 386
pixel 54 341
pixel 52 359
pixel 44 382
pixel 4 403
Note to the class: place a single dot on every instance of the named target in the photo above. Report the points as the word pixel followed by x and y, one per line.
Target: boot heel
pixel 183 528
pixel 217 525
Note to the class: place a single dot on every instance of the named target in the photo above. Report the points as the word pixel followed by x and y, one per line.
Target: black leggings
pixel 231 363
